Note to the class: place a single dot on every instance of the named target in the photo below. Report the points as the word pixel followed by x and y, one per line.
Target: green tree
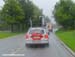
pixel 63 13
pixel 31 11
pixel 17 13
pixel 27 7
pixel 36 16
pixel 12 13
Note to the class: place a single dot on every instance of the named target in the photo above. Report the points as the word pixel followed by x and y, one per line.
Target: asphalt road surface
pixel 15 47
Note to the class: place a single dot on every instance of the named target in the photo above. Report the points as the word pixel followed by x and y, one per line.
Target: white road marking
pixel 13 54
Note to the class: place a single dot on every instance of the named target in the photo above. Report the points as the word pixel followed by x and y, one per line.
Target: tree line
pixel 17 14
pixel 64 14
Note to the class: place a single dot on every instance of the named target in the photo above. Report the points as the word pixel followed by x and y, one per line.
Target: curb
pixel 65 46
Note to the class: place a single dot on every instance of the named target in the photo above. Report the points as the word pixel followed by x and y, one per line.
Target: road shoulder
pixel 65 46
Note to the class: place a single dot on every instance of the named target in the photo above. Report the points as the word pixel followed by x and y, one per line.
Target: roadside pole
pixel 42 21
pixel 30 22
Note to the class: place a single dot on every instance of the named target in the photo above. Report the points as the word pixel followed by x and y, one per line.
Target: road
pixel 16 45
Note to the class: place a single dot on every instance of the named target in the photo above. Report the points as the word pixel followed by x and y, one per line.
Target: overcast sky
pixel 46 5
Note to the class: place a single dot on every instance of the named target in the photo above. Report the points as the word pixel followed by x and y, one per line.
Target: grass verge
pixel 68 37
pixel 7 34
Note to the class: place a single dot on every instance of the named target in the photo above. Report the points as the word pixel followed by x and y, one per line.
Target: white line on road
pixel 14 51
pixel 13 54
